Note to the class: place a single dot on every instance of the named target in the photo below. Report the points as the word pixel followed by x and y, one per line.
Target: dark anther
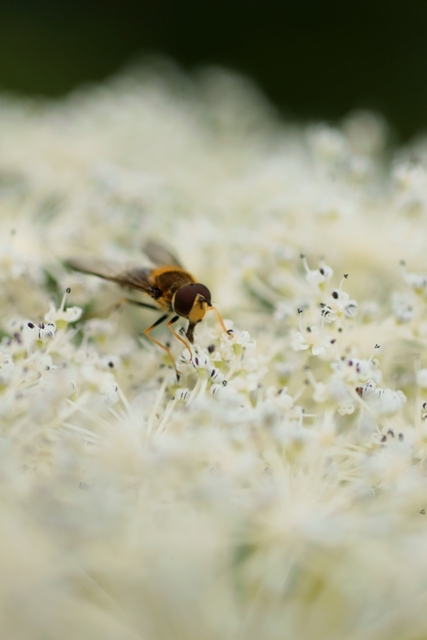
pixel 359 391
pixel 322 271
pixel 213 372
pixel 230 332
pixel 350 363
pixel 346 275
pixel 322 304
pixel 168 344
pixel 400 437
pixel 307 382
pixel 423 512
pixel 196 360
pixel 31 325
pixel 224 383
pixel 333 341
pixel 384 439
pixel 41 325
pixel 211 348
pixel 335 294
pixel 391 433
pixel 377 346
pixel 68 290
pixel 302 256
pixel 308 329
pixel 299 310
pixel 340 330
pixel 111 365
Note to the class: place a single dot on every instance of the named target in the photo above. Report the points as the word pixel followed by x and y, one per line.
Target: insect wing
pixel 160 255
pixel 133 276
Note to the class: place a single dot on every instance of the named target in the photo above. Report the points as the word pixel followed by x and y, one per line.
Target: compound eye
pixel 186 296
pixel 203 291
pixel 184 300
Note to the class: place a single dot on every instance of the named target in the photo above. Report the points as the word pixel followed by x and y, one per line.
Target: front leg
pixel 169 326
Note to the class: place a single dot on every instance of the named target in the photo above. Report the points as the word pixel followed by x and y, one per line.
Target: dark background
pixel 313 58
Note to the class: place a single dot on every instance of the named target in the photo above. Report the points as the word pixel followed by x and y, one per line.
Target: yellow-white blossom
pixel 277 486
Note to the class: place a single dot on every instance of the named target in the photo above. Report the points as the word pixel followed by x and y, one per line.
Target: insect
pixel 173 290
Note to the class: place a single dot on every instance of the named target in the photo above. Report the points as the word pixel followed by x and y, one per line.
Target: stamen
pixel 304 262
pixel 377 346
pixel 64 297
pixel 300 321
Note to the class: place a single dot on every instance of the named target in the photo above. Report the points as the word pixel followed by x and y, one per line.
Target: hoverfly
pixel 173 290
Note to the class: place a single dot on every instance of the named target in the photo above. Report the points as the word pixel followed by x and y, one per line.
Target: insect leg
pixel 139 304
pixel 174 319
pixel 163 346
pixel 221 321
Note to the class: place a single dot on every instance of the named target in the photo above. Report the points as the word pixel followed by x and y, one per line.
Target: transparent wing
pixel 160 255
pixel 132 276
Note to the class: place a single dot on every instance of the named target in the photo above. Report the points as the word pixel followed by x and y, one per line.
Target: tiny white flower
pixel 355 370
pixel 216 376
pixel 346 409
pixel 109 391
pixel 329 314
pixel 238 341
pixel 384 401
pixel 46 331
pixel 279 398
pixel 417 281
pixel 402 307
pixel 311 339
pixel 201 362
pixel 369 310
pixel 62 317
pixel 340 303
pixel 299 343
pixel 316 277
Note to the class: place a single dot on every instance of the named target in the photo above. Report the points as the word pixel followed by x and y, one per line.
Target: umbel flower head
pixel 278 488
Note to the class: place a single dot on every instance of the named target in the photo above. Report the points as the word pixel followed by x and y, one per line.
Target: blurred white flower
pixel 225 470
pixel 422 378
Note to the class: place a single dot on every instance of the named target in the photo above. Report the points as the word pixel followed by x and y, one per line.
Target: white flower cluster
pixel 278 487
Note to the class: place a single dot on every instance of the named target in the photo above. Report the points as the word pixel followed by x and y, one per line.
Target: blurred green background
pixel 313 58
